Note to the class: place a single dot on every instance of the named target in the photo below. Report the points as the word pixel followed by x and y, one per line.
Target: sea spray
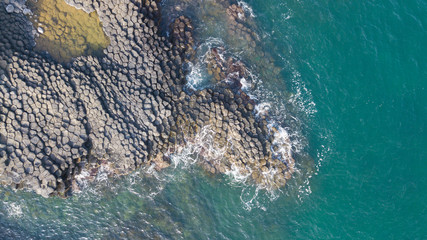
pixel 197 78
pixel 13 209
pixel 201 147
pixel 246 8
pixel 237 176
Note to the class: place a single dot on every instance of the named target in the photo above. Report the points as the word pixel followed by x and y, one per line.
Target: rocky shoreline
pixel 121 111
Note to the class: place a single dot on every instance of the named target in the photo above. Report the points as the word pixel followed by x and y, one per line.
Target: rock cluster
pixel 232 22
pixel 182 37
pixel 238 26
pixel 123 110
pixel 227 69
pixel 17 6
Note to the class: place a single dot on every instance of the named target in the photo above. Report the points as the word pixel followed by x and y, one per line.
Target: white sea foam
pixel 248 197
pixel 197 76
pixel 81 180
pixel 144 174
pixel 257 198
pixel 246 85
pixel 262 109
pixel 281 139
pixel 237 176
pixel 13 209
pixel 202 146
pixel 246 8
pixel 103 172
pixel 304 188
pixel 301 98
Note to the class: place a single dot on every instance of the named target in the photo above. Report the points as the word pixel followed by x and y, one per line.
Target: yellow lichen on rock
pixel 66 32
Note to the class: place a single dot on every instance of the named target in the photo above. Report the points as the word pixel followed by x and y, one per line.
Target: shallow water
pixel 355 84
pixel 66 32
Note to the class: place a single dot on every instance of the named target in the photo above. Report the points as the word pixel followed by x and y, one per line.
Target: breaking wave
pixel 288 112
pixel 13 209
pixel 197 78
pixel 246 8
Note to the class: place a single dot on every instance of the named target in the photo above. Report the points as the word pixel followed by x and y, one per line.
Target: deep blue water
pixel 355 77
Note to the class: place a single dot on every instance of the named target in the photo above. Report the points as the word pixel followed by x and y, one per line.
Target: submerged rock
pixel 66 32
pixel 123 110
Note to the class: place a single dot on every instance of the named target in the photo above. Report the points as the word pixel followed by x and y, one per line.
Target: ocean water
pixel 354 78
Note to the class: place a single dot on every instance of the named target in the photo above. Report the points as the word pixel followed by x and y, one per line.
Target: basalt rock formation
pixel 121 111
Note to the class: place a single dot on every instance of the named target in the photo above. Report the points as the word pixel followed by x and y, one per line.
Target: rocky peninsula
pixel 125 109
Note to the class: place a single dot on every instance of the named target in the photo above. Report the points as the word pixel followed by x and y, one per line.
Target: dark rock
pixel 120 110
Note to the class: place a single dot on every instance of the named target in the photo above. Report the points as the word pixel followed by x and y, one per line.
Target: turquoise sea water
pixel 358 74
